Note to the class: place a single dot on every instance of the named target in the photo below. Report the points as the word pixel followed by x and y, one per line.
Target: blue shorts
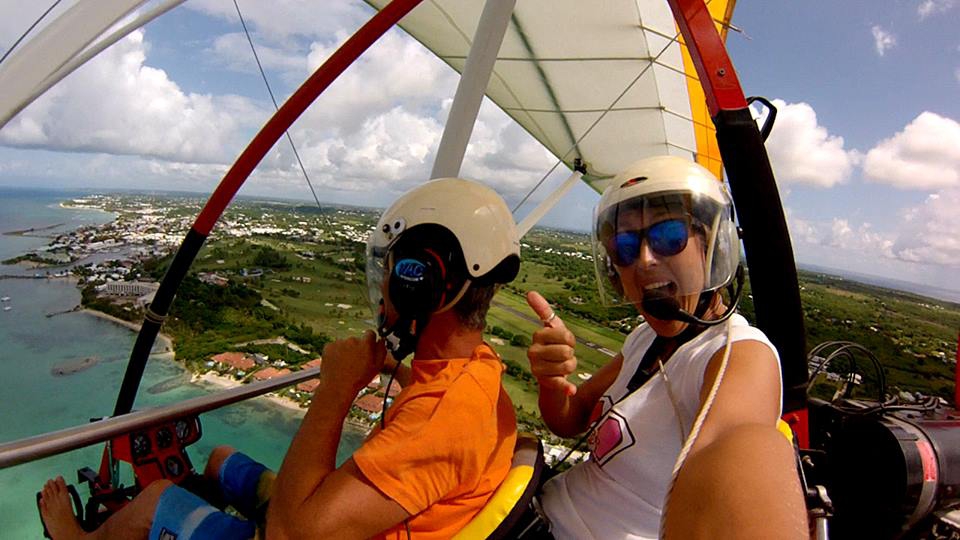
pixel 246 486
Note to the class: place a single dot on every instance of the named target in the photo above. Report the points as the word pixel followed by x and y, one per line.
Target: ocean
pixel 34 401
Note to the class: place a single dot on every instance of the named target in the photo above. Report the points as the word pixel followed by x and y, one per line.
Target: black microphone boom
pixel 667 308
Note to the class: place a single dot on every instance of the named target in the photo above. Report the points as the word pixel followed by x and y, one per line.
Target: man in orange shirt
pixel 435 258
pixel 434 262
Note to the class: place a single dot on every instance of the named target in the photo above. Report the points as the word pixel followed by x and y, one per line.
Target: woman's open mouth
pixel 659 289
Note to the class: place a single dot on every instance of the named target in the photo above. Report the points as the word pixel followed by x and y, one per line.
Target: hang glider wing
pixel 563 64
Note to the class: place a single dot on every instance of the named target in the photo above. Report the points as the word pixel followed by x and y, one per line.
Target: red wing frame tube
pixel 766 240
pixel 236 176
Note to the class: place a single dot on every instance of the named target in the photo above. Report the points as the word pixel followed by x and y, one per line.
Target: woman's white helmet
pixel 474 214
pixel 649 192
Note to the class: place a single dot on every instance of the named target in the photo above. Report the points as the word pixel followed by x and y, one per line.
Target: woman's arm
pixel 740 478
pixel 565 408
pixel 743 485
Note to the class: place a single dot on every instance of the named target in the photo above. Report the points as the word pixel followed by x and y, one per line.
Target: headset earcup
pixel 417 284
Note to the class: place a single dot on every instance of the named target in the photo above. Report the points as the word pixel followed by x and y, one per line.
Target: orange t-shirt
pixel 447 445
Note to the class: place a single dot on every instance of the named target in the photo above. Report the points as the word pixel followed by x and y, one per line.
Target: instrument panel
pixel 159 451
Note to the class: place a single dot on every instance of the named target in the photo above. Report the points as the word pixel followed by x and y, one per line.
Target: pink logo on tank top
pixel 610 438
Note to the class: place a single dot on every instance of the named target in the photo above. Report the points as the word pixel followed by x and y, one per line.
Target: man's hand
pixel 551 355
pixel 351 363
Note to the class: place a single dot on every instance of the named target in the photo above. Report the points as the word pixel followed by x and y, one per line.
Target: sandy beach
pixel 221 381
pixel 165 340
pixel 210 377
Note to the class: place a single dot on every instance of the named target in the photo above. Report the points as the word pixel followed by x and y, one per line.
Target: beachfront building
pixel 308 386
pixel 370 404
pixel 269 373
pixel 144 301
pixel 129 288
pixel 213 279
pixel 392 392
pixel 236 360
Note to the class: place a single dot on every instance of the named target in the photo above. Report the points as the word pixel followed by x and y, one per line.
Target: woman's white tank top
pixel 619 491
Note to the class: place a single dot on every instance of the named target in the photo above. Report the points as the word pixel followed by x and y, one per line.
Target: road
pixel 531 318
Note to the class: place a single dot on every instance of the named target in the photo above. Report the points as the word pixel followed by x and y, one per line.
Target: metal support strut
pixel 473 84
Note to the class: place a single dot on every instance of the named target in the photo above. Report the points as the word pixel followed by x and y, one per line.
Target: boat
pixel 670 73
pixel 5 299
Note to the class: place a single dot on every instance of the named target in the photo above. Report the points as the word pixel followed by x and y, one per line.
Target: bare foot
pixel 56 508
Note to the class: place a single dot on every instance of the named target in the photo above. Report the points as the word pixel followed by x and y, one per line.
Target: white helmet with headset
pixel 431 245
pixel 659 203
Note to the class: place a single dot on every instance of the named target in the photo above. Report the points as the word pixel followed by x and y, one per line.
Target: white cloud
pixel 117 104
pixel 933 7
pixel 233 52
pixel 391 148
pixel 882 39
pixel 925 155
pixel 396 71
pixel 927 234
pixel 803 152
pixel 280 20
pixel 504 156
pixel 930 233
pixel 390 105
pixel 802 230
pixel 839 233
pixel 370 136
pixel 862 238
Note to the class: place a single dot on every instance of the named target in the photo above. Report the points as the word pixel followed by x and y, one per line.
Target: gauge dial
pixel 174 467
pixel 184 430
pixel 139 444
pixel 164 438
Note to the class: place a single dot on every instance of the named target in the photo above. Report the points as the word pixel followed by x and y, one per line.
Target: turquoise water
pixel 35 402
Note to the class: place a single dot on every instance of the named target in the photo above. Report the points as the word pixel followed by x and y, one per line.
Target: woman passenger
pixel 665 242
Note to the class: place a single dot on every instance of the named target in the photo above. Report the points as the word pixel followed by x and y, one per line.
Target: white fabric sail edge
pixel 44 55
pixel 562 64
pixel 98 47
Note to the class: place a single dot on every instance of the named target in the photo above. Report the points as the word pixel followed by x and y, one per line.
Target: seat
pixel 785 429
pixel 510 500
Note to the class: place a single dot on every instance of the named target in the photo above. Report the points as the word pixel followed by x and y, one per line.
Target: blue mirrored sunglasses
pixel 665 238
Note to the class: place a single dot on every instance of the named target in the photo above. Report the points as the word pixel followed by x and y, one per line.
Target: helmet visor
pixel 663 244
pixel 376 268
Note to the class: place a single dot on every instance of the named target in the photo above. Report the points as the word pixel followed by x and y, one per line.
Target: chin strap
pixel 401 337
pixel 668 308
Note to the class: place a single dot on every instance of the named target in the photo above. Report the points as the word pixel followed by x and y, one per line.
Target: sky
pixel 866 147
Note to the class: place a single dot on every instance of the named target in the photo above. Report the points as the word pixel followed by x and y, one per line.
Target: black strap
pixel 661 350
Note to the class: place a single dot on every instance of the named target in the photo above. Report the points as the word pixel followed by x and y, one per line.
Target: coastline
pixel 166 340
pixel 210 377
pixel 214 379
